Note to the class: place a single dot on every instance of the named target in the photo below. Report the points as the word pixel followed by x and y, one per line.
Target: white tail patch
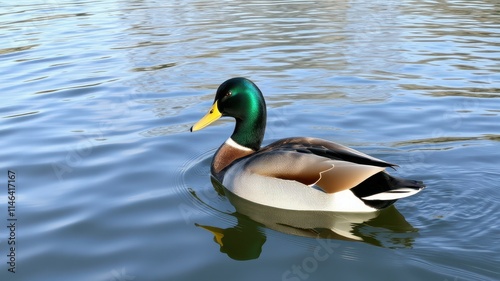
pixel 393 194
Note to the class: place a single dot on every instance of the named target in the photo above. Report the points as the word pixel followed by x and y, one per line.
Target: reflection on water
pixel 243 241
pixel 444 140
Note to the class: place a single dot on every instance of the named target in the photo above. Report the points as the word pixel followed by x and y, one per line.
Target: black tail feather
pixel 383 182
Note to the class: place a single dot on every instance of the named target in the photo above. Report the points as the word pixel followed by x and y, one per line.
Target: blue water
pixel 98 98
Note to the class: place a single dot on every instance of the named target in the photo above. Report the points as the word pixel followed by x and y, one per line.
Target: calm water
pixel 98 97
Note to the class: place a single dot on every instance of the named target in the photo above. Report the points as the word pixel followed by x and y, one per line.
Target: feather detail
pixel 392 194
pixel 326 149
pixel 289 165
pixel 345 175
pixel 310 169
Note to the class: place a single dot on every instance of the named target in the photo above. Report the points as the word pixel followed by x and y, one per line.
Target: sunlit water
pixel 98 97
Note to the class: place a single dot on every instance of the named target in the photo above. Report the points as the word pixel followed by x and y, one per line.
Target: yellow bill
pixel 208 119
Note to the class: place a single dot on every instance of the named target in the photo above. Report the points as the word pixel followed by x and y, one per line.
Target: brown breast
pixel 226 155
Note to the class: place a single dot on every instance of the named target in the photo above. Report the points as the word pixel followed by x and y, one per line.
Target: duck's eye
pixel 228 94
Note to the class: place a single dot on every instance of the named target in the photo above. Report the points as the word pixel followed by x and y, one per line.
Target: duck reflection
pixel 387 228
pixel 243 241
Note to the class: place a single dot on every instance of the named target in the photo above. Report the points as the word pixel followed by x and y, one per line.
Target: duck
pixel 295 173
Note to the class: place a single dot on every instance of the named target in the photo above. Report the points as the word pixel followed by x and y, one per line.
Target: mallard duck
pixel 297 173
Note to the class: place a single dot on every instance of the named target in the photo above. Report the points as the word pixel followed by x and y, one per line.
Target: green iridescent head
pixel 239 98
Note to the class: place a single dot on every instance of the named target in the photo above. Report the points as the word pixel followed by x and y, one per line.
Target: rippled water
pixel 98 97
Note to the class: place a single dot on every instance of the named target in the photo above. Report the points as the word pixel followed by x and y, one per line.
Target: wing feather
pixel 327 149
pixel 289 165
pixel 310 169
pixel 345 175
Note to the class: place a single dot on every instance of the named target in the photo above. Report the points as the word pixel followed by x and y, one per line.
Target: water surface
pixel 98 98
